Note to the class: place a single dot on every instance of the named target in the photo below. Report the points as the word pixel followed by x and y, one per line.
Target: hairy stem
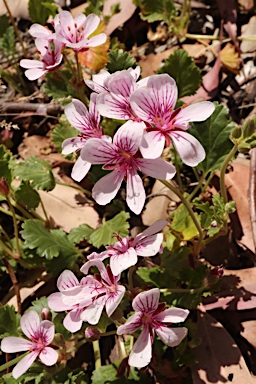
pixel 96 350
pixel 222 173
pixel 12 362
pixel 14 283
pixel 15 225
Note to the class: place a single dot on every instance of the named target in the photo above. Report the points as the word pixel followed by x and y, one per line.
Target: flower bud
pixel 92 333
pixel 249 128
pixel 244 148
pixel 4 187
pixel 46 314
pixel 236 133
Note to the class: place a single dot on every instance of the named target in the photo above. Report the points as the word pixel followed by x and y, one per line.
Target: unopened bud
pixel 236 133
pixel 46 314
pixel 92 333
pixel 4 187
pixel 244 148
pixel 249 128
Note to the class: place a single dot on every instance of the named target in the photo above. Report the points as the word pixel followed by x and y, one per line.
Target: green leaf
pixel 183 223
pixel 40 304
pixel 28 196
pixel 37 171
pixel 39 12
pixel 108 374
pixel 104 235
pixel 47 244
pixel 9 321
pixel 182 68
pixel 213 134
pixel 61 132
pixel 94 6
pixel 57 88
pixel 7 42
pixel 157 10
pixel 119 60
pixel 83 232
pixel 4 24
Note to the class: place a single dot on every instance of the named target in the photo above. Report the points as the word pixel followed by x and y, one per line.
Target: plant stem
pixel 178 171
pixel 65 57
pixel 222 173
pixel 122 347
pixel 96 350
pixel 15 29
pixel 15 225
pixel 13 361
pixel 191 213
pixel 14 283
pixel 130 273
pixel 10 214
pixel 108 333
pixel 7 250
pixel 197 188
pixel 181 290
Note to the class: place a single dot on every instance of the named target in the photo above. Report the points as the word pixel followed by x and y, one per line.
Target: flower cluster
pixel 68 32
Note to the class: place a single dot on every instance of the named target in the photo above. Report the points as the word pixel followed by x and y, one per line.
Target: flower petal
pixel 107 187
pixel 146 301
pixel 72 144
pixel 114 299
pixel 30 324
pixel 47 330
pixel 56 304
pixel 93 313
pixel 135 192
pixel 72 321
pixel 157 168
pixel 142 350
pixel 128 136
pixel 78 115
pixel 91 24
pixel 152 144
pixel 37 30
pixel 120 262
pixel 95 263
pixel 195 112
pixel 80 169
pixel 172 315
pixel 66 280
pixel 133 323
pixel 150 245
pixel 24 364
pixel 98 151
pixel 95 41
pixel 28 63
pixel 12 344
pixel 157 226
pixel 188 147
pixel 171 336
pixel 49 356
pixel 114 106
pixel 35 73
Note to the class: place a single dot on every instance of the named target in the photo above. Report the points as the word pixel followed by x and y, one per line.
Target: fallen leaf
pixel 230 58
pixel 127 10
pixel 18 8
pixel 219 359
pixel 249 30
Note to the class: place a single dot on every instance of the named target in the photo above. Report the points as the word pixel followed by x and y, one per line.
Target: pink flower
pixel 155 105
pixel 103 289
pixel 50 58
pixel 40 335
pixel 153 317
pixel 74 33
pixel 124 253
pixel 115 103
pixel 123 158
pixel 69 284
pixel 88 123
pixel 38 31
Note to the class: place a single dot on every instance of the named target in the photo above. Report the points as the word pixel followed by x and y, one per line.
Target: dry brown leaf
pixel 249 30
pixel 230 58
pixel 127 10
pixel 219 359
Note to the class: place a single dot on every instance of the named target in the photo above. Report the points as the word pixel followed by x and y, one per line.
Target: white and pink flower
pixel 88 124
pixel 153 317
pixel 155 105
pixel 50 59
pixel 103 289
pixel 75 32
pixel 123 158
pixel 124 253
pixel 40 335
pixel 69 284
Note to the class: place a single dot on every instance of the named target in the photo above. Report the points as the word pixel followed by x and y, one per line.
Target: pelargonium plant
pixel 142 288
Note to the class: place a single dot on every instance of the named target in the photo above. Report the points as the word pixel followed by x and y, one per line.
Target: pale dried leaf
pixel 127 10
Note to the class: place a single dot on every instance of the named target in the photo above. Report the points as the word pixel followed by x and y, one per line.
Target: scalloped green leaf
pixel 157 10
pixel 182 68
pixel 27 195
pixel 40 10
pixel 56 88
pixel 119 60
pixel 47 244
pixel 5 164
pixel 108 374
pixel 37 171
pixel 213 134
pixel 61 132
pixel 104 235
pixel 83 232
pixel 7 41
pixel 9 321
